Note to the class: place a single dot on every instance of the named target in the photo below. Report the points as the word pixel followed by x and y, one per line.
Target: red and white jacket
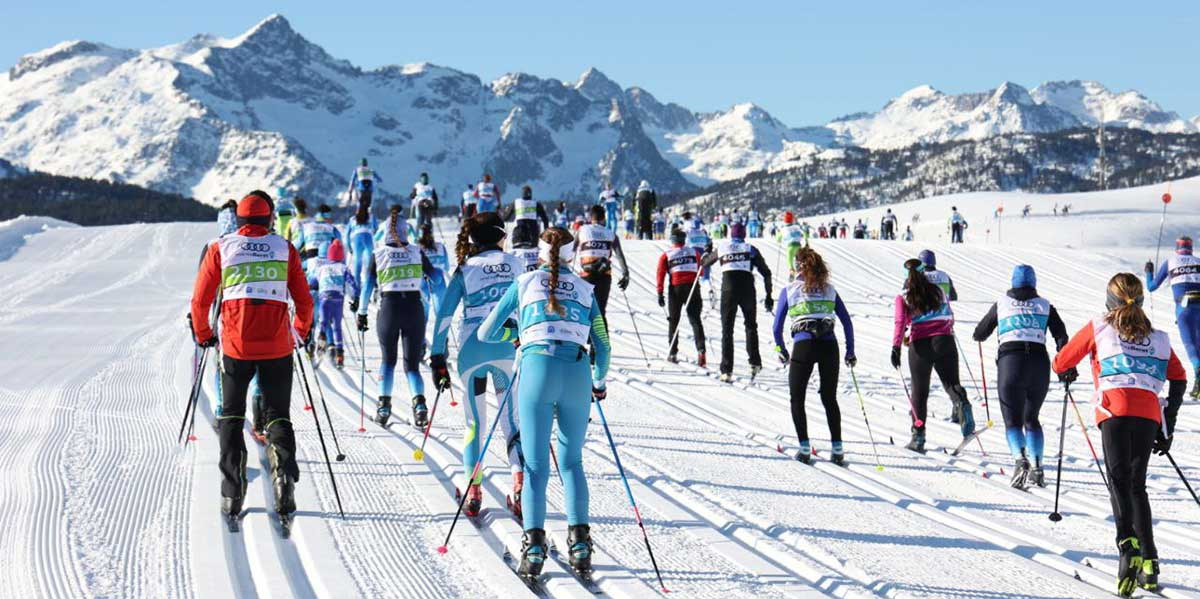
pixel 681 262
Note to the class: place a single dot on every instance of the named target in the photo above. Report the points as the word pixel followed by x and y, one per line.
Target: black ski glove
pixel 362 323
pixel 624 282
pixel 784 357
pixel 599 393
pixel 662 301
pixel 851 361
pixel 1068 376
pixel 441 374
pixel 354 306
pixel 210 342
pixel 769 303
pixel 896 357
pixel 1149 267
pixel 1162 443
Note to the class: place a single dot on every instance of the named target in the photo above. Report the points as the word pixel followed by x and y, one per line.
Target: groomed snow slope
pixel 99 501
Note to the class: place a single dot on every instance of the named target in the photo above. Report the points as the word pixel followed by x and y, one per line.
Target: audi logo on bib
pixel 492 269
pixel 566 286
pixel 251 246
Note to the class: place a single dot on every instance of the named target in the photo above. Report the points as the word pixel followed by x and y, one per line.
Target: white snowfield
pixel 99 501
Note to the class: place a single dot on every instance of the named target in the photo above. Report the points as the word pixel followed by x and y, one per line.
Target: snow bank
pixel 14 232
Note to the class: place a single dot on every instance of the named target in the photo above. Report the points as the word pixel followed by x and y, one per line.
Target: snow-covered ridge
pixel 15 232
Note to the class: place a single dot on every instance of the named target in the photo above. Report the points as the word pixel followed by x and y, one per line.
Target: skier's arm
pixel 601 345
pixel 298 288
pixel 620 256
pixel 1078 348
pixel 953 291
pixel 847 326
pixel 351 282
pixel 987 324
pixel 1152 284
pixel 900 320
pixel 435 201
pixel 1058 330
pixel 368 286
pixel 204 292
pixel 541 214
pixel 492 329
pixel 661 272
pixel 1177 378
pixel 757 261
pixel 445 315
pixel 781 310
pixel 427 267
pixel 709 257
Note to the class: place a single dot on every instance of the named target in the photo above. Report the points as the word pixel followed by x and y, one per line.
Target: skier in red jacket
pixel 256 272
pixel 681 264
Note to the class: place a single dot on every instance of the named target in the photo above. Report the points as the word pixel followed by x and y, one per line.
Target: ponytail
pixel 462 246
pixel 556 237
pixel 393 222
pixel 920 295
pixel 1124 304
pixel 362 215
pixel 426 238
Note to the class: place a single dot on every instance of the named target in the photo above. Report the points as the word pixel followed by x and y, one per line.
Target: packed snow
pixel 99 500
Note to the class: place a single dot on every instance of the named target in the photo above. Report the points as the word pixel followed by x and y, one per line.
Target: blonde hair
pixel 812 269
pixel 1127 316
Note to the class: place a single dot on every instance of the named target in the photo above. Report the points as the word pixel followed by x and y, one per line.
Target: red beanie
pixel 336 252
pixel 256 203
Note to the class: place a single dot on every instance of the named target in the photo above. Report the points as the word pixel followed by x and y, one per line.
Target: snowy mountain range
pixel 213 117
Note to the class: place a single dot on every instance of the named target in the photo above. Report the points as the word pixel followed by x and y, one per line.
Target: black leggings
pixel 927 355
pixel 401 318
pixel 737 294
pixel 824 355
pixel 1127 443
pixel 275 381
pixel 677 295
pixel 1023 379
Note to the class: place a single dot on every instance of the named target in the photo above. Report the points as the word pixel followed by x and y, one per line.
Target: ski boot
pixel 673 358
pixel 322 342
pixel 231 506
pixel 726 377
pixel 917 443
pixel 1038 476
pixel 339 358
pixel 838 454
pixel 579 539
pixel 804 454
pixel 1020 476
pixel 514 500
pixel 1147 577
pixel 754 370
pixel 384 411
pixel 1195 392
pixel 701 360
pixel 420 411
pixel 474 502
pixel 533 553
pixel 962 408
pixel 282 482
pixel 1130 566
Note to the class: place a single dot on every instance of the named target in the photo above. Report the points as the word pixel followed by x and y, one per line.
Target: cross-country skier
pixel 296 223
pixel 738 260
pixel 681 265
pixel 923 307
pixel 487 195
pixel 795 237
pixel 362 180
pixel 484 272
pixel 630 223
pixel 435 284
pixel 697 238
pixel 469 203
pixel 553 382
pixel 316 232
pixel 255 272
pixel 1183 270
pixel 958 224
pixel 227 218
pixel 908 234
pixel 424 200
pixel 595 250
pixel 937 277
pixel 1023 368
pixel 360 233
pixel 523 245
pixel 399 269
pixel 526 212
pixel 284 211
pixel 331 278
pixel 611 200
pixel 887 226
pixel 660 225
pixel 645 203
pixel 562 217
pixel 808 304
pixel 1131 361
pixel 754 224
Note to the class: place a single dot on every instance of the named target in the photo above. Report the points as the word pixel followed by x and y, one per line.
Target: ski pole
pixel 967 362
pixel 320 435
pixel 419 454
pixel 341 457
pixel 629 492
pixel 189 410
pixel 983 376
pixel 478 465
pixel 863 407
pixel 1055 516
pixel 917 421
pixel 1166 199
pixel 683 310
pixel 1095 456
pixel 635 327
pixel 362 383
pixel 1182 477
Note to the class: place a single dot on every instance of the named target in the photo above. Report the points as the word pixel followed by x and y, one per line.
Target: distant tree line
pixel 91 202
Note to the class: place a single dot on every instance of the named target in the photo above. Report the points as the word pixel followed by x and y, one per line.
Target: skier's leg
pixel 412 335
pixel 602 286
pixel 574 408
pixel 799 371
pixel 1189 331
pixel 1142 441
pixel 335 322
pixel 829 365
pixel 1117 437
pixel 541 384
pixel 695 309
pixel 1039 386
pixel 275 377
pixel 387 330
pixel 920 367
pixel 729 307
pixel 946 364
pixel 1010 385
pixel 235 378
pixel 675 299
pixel 475 412
pixel 749 303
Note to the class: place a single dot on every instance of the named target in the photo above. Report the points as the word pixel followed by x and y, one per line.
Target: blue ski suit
pixel 1183 269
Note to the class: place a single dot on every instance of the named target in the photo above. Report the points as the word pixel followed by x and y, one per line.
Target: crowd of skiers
pixel 532 301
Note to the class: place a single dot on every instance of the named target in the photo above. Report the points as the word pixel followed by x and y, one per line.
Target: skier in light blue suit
pixel 360 232
pixel 553 380
pixel 483 274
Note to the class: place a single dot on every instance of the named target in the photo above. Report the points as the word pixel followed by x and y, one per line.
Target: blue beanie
pixel 1023 276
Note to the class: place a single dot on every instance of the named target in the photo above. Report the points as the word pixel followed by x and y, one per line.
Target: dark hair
pixel 596 212
pixel 393 222
pixel 426 238
pixel 1128 318
pixel 324 208
pixel 556 237
pixel 920 295
pixel 812 269
pixel 229 204
pixel 362 215
pixel 301 205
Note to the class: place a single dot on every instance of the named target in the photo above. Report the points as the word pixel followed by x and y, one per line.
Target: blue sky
pixel 805 62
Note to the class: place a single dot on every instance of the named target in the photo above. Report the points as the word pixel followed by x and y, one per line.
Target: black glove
pixel 851 361
pixel 1162 443
pixel 599 393
pixel 769 303
pixel 624 282
pixel 662 301
pixel 441 374
pixel 784 356
pixel 510 325
pixel 1068 376
pixel 354 305
pixel 210 342
pixel 1149 267
pixel 896 357
pixel 362 322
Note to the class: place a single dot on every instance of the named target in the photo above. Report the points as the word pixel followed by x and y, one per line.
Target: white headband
pixel 566 252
